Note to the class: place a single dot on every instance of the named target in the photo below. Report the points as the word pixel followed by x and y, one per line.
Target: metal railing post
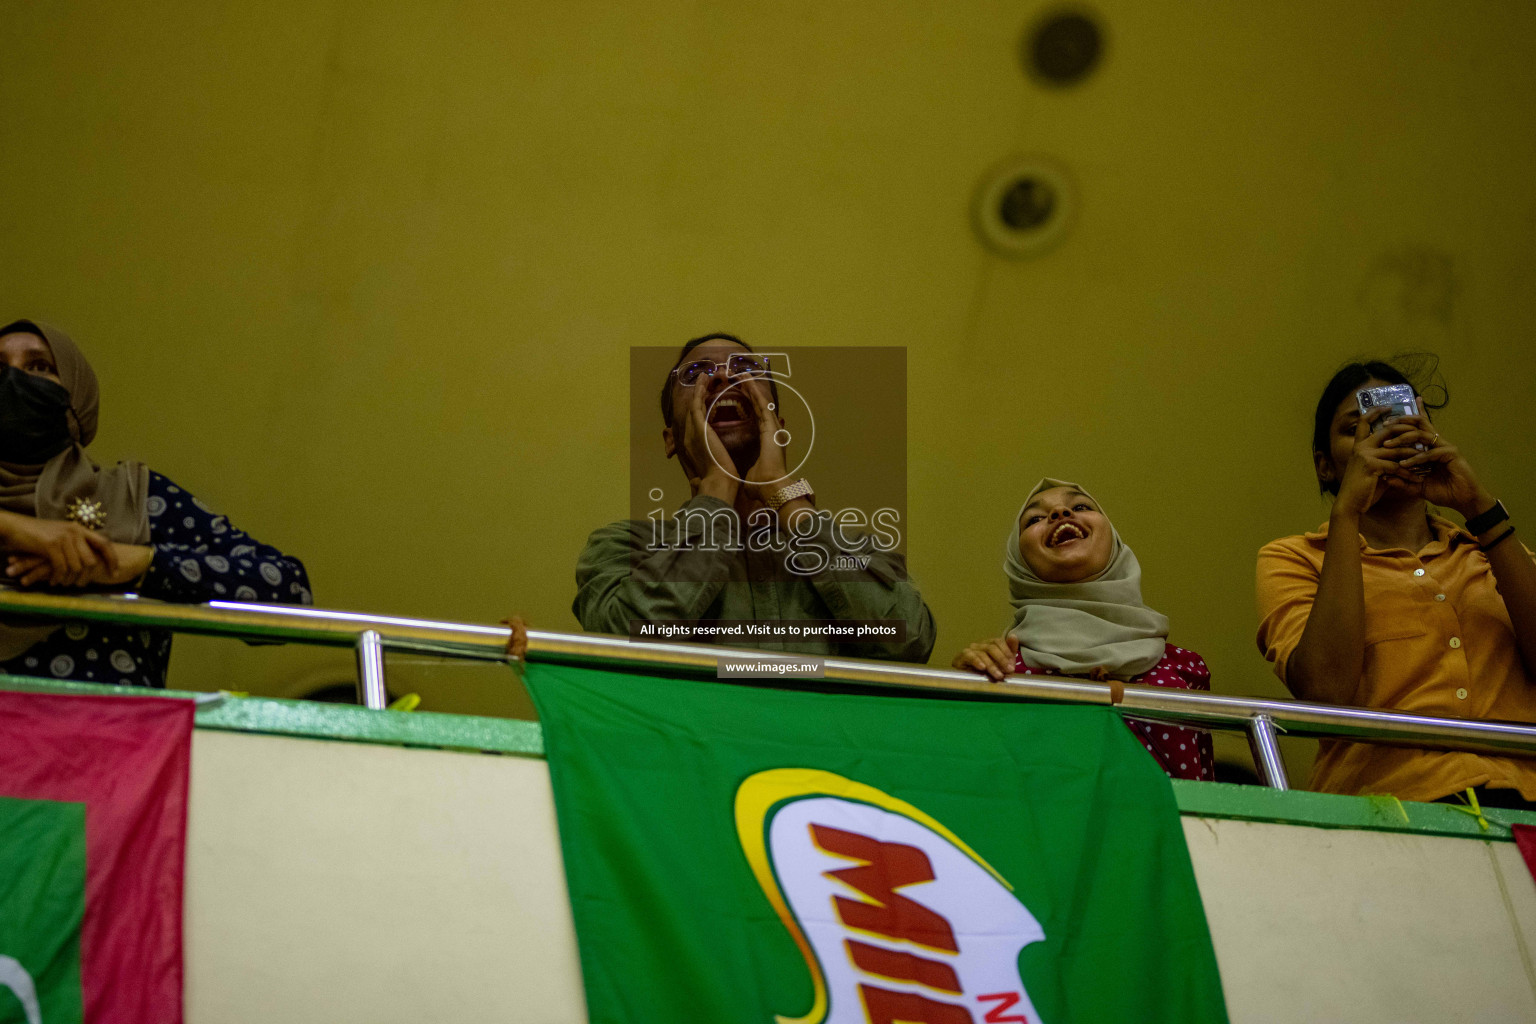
pixel 1266 752
pixel 371 692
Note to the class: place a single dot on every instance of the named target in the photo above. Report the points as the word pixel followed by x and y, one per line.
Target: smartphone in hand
pixel 1398 399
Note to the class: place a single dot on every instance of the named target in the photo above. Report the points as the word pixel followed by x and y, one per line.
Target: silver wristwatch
pixel 784 495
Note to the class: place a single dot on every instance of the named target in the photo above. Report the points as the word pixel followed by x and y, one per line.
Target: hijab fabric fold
pixel 1073 628
pixel 47 491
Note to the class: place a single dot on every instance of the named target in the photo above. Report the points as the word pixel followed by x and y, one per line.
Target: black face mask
pixel 34 418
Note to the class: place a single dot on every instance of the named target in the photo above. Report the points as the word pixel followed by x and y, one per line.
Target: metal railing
pixel 371 636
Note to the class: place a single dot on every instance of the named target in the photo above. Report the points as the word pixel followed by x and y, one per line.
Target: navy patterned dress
pixel 198 557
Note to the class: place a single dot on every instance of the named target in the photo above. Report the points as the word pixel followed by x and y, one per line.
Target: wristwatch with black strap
pixel 1485 521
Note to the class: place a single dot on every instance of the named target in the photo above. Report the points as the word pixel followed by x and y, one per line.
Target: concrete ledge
pixel 349 723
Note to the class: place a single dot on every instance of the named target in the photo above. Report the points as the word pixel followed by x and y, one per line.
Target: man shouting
pixel 749 546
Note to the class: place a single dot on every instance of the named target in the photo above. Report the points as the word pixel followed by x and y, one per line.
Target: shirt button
pixel 1455 642
pixel 1439 597
pixel 1418 572
pixel 1461 693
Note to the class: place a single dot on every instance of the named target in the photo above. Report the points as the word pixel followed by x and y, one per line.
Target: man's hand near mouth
pixel 768 474
pixel 704 455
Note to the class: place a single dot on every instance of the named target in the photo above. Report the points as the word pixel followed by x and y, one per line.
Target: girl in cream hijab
pixel 69 524
pixel 1077 611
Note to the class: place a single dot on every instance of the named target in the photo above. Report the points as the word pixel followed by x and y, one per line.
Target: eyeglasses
pixel 742 364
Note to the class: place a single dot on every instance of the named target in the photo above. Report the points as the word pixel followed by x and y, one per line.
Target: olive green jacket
pixel 629 573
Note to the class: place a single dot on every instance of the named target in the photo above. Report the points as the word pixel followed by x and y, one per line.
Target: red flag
pixel 126 759
pixel 1525 839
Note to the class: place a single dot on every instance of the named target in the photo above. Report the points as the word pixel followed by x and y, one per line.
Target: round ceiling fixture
pixel 1024 206
pixel 1063 47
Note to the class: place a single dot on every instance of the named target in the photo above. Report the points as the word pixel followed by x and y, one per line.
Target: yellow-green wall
pixel 365 275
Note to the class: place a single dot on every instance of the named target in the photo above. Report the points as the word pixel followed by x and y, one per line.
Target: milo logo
pixel 897 918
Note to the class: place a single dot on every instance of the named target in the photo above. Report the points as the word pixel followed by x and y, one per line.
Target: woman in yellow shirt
pixel 1389 605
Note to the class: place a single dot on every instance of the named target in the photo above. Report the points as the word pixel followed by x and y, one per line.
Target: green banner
pixel 738 854
pixel 42 904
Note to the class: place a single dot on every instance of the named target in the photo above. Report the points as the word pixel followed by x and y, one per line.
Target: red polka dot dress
pixel 1182 753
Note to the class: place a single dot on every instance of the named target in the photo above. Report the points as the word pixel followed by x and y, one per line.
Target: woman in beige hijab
pixel 1077 611
pixel 68 524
